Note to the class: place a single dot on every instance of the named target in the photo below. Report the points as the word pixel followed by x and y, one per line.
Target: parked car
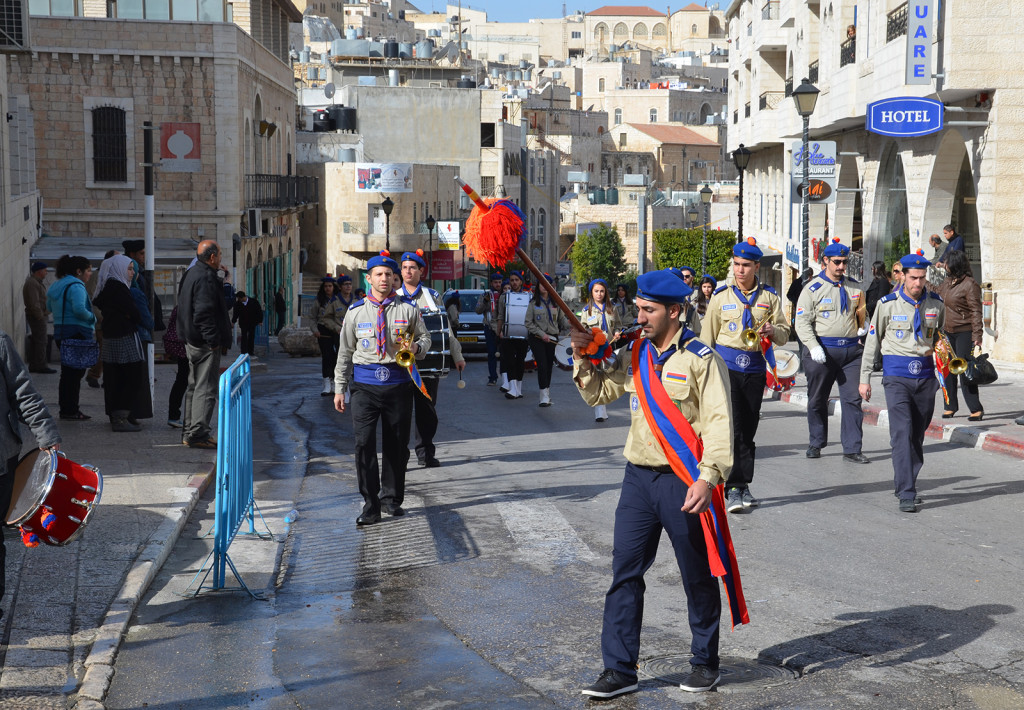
pixel 471 323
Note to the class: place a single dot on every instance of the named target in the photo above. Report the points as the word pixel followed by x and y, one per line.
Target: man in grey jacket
pixel 19 402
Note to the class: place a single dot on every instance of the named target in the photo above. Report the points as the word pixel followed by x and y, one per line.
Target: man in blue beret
pixel 905 328
pixel 487 306
pixel 739 317
pixel 659 492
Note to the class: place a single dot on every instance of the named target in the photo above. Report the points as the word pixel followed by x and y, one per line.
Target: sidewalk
pixel 66 608
pixel 1003 402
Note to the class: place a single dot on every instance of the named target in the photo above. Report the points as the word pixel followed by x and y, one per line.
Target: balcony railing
pixel 770 10
pixel 848 52
pixel 896 25
pixel 280 191
pixel 770 100
pixel 746 111
pixel 812 72
pixel 789 86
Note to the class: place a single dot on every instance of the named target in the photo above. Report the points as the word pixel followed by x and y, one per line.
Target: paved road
pixel 489 593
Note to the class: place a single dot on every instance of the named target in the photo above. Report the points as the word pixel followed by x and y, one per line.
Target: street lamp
pixel 692 212
pixel 740 156
pixel 387 205
pixel 430 222
pixel 706 193
pixel 805 96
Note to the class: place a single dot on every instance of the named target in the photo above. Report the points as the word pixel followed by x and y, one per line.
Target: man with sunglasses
pixel 826 322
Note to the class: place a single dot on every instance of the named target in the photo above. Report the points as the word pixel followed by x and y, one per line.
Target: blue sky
pixel 524 10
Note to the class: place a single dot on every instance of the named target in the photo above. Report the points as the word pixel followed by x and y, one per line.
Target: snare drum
pixel 563 354
pixel 53 497
pixel 437 361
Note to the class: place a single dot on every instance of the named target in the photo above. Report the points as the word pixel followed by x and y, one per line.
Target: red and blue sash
pixel 684 450
pixel 417 380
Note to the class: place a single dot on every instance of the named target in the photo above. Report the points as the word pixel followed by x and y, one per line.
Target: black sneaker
pixel 700 680
pixel 610 684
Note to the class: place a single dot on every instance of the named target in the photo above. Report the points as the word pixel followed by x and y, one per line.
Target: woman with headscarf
pixel 544 323
pixel 599 313
pixel 68 300
pixel 123 360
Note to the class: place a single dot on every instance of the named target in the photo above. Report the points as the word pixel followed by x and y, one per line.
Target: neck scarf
pixel 918 333
pixel 748 316
pixel 415 294
pixel 382 321
pixel 844 304
pixel 604 319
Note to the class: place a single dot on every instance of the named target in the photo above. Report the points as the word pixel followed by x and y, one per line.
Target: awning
pixel 167 252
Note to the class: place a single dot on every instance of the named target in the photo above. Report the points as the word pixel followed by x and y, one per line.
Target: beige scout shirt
pixel 592 319
pixel 359 342
pixel 704 399
pixel 723 323
pixel 892 329
pixel 688 317
pixel 818 311
pixel 332 314
pixel 429 301
pixel 545 318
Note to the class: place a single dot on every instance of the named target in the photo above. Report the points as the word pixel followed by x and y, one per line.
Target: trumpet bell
pixel 405 358
pixel 957 366
pixel 750 337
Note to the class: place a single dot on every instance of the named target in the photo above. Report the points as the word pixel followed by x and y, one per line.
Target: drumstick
pixel 461 385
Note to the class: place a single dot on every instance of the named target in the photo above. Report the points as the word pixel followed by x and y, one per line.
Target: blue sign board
pixel 905 117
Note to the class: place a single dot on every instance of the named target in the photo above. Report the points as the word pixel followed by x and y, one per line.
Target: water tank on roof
pixel 495 73
pixel 310 73
pixel 344 119
pixel 350 33
pixel 424 49
pixel 391 50
pixel 376 49
pixel 523 64
pixel 517 75
pixel 465 83
pixel 556 75
pixel 611 196
pixel 350 48
pixel 597 196
pixel 526 75
pixel 433 33
pixel 405 50
pixel 392 77
pixel 612 48
pixel 322 122
pixel 304 56
pixel 346 155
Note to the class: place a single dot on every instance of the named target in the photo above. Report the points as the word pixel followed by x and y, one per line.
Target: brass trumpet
pixel 404 357
pixel 956 365
pixel 750 336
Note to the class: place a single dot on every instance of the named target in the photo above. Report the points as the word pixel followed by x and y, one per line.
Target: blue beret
pixel 594 282
pixel 676 271
pixel 693 272
pixel 712 279
pixel 413 256
pixel 39 265
pixel 915 261
pixel 662 287
pixel 497 276
pixel 382 259
pixel 748 250
pixel 344 279
pixel 517 274
pixel 328 279
pixel 836 249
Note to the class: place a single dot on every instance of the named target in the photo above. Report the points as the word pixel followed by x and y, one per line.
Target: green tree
pixel 898 248
pixel 682 247
pixel 598 254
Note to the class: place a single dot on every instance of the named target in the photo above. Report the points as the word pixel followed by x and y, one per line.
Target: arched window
pixel 600 85
pixel 654 115
pixel 600 32
pixel 618 116
pixel 621 33
pixel 659 31
pixel 693 30
pixel 533 221
pixel 542 218
pixel 640 31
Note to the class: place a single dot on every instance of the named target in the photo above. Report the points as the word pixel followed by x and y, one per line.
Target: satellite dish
pixel 329 90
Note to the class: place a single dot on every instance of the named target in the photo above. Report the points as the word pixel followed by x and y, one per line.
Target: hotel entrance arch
pixel 952 197
pixel 889 239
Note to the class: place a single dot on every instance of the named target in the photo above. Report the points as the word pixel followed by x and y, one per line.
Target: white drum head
pixel 563 352
pixel 787 363
pixel 33 480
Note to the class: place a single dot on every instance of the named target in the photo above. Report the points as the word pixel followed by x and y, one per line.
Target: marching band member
pixel 512 347
pixel 679 397
pixel 688 316
pixel 544 323
pixel 746 304
pixel 598 313
pixel 487 306
pixel 330 313
pixel 827 315
pixel 382 389
pixel 905 327
pixel 428 301
pixel 623 305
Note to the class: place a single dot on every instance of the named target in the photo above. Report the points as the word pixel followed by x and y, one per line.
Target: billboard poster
pixel 823 173
pixel 383 177
pixel 448 236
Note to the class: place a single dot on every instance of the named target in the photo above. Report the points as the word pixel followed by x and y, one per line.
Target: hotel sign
pixel 905 117
pixel 920 35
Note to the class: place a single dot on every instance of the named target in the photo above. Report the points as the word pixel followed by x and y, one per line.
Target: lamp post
pixel 692 212
pixel 430 222
pixel 740 156
pixel 706 194
pixel 387 205
pixel 805 96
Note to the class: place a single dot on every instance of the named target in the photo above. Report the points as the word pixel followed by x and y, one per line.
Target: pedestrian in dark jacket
pixel 122 354
pixel 880 286
pixel 205 326
pixel 174 347
pixel 248 314
pixel 280 308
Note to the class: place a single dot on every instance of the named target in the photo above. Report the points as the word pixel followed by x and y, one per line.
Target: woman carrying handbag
pixel 963 326
pixel 74 326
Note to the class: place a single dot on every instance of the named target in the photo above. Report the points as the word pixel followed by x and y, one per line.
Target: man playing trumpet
pixel 829 322
pixel 738 317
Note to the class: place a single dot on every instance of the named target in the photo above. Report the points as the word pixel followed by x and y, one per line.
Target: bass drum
pixel 437 362
pixel 563 354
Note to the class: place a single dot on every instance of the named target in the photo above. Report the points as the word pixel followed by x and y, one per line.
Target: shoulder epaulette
pixel 854 282
pixel 358 303
pixel 720 289
pixel 936 296
pixel 769 289
pixel 887 297
pixel 698 348
pixel 814 286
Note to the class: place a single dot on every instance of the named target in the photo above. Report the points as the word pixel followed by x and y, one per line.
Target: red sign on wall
pixel 447 265
pixel 179 147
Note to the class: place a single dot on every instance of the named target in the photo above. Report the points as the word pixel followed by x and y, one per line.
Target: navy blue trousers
pixel 842 366
pixel 911 403
pixel 650 502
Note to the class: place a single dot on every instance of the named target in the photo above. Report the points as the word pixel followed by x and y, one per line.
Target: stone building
pixel 683 159
pixel 893 187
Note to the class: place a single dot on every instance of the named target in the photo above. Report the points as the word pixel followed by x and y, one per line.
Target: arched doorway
pixel 891 225
pixel 952 198
pixel 257 140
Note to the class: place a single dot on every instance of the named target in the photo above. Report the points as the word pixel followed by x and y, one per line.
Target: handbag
pixel 77 353
pixel 980 371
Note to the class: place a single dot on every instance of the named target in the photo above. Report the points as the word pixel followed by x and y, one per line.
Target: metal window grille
pixel 109 145
pixel 896 24
pixel 789 86
pixel 848 52
pixel 812 72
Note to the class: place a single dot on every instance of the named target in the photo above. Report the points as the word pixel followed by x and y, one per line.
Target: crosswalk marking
pixel 542 534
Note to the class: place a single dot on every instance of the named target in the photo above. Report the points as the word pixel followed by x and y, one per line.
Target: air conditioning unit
pixel 14 36
pixel 254 222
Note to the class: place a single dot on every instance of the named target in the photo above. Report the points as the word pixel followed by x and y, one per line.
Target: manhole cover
pixel 737 673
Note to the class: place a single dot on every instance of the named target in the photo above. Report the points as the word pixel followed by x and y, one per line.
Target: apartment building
pixel 902 173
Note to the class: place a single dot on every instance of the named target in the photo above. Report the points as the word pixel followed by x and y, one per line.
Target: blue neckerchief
pixel 918 333
pixel 748 317
pixel 415 294
pixel 604 320
pixel 621 305
pixel 844 304
pixel 547 307
pixel 345 303
pixel 669 351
